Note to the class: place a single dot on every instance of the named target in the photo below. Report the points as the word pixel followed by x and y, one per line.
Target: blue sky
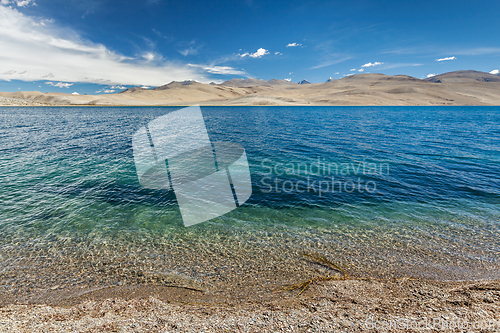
pixel 91 46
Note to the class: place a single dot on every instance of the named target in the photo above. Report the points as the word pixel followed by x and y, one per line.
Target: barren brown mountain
pixel 454 88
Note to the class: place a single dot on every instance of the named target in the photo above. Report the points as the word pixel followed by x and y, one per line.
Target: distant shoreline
pixel 240 105
pixel 223 105
pixel 462 88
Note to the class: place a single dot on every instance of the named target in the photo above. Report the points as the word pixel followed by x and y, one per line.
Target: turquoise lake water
pixel 415 190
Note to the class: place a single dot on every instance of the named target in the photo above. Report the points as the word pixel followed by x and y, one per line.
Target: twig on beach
pixel 199 303
pixel 326 262
pixel 183 287
pixel 302 286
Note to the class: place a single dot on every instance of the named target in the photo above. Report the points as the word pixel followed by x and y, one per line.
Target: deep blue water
pixel 426 176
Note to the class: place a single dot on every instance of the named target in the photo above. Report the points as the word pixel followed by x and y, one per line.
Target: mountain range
pixel 454 88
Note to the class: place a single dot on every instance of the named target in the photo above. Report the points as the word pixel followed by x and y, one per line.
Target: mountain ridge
pixel 454 88
pixel 464 76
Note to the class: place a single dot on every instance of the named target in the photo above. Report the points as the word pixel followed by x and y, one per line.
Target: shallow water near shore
pixel 385 191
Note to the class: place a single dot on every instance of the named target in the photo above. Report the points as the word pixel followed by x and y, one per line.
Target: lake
pixel 383 191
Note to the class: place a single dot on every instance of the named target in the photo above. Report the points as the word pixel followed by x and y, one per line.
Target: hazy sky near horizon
pixel 90 46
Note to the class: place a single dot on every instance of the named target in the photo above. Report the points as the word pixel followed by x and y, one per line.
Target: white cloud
pixel 214 69
pixel 60 54
pixel 19 3
pixel 188 51
pixel 223 70
pixel 75 93
pixel 278 53
pixel 260 52
pixel 42 22
pixel 495 72
pixel 352 69
pixel 150 56
pixel 59 84
pixel 293 45
pixel 446 59
pixel 361 70
pixel 106 91
pixel 188 47
pixel 336 73
pixel 371 64
pixel 430 75
pixel 118 87
pixel 289 79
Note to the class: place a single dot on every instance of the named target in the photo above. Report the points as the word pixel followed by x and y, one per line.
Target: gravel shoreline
pixel 220 282
pixel 353 305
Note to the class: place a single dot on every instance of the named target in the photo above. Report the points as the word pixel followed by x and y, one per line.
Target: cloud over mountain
pixel 446 59
pixel 31 52
pixel 260 52
pixel 372 64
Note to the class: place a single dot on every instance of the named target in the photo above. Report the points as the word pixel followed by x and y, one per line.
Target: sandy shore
pixel 352 305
